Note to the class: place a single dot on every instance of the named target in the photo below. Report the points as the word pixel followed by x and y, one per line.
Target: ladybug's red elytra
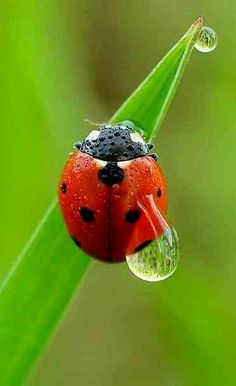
pixel 100 189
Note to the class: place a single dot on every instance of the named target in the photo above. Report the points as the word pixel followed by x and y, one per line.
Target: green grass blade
pixel 148 104
pixel 36 292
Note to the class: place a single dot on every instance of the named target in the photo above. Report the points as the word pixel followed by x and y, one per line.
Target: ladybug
pixel 103 193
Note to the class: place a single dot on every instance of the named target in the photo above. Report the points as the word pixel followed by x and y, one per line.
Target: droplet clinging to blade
pixel 207 40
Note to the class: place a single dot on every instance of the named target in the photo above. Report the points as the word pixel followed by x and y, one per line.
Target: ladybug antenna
pixel 93 123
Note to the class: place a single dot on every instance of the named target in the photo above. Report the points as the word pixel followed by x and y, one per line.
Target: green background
pixel 64 61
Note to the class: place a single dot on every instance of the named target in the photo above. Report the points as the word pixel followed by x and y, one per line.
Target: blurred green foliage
pixel 62 62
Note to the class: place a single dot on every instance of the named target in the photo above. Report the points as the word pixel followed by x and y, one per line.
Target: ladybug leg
pixel 78 145
pixel 154 156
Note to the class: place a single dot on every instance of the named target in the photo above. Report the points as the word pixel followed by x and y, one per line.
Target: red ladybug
pixel 102 193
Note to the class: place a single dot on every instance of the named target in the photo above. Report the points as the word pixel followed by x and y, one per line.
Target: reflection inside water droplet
pixel 159 259
pixel 207 40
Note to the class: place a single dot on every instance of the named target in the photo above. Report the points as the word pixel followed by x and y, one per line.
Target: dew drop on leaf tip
pixel 207 40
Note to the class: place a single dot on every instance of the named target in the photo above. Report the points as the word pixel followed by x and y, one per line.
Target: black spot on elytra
pixel 143 245
pixel 111 174
pixel 159 192
pixel 132 216
pixel 64 187
pixel 87 214
pixel 76 241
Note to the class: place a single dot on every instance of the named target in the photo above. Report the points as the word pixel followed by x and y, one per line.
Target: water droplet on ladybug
pixel 207 40
pixel 158 260
pixel 134 127
pixel 127 123
pixel 115 187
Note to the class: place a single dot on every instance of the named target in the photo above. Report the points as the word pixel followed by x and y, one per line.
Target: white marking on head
pixel 137 138
pixel 101 163
pixel 124 164
pixel 93 135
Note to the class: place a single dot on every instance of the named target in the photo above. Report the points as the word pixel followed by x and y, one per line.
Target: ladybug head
pixel 114 143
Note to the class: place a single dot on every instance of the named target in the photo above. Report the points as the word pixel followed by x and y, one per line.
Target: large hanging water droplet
pixel 207 40
pixel 158 260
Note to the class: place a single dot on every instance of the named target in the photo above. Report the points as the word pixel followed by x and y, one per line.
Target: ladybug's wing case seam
pixel 105 219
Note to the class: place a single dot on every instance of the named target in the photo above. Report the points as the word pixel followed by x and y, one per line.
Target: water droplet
pixel 133 126
pixel 128 124
pixel 158 260
pixel 207 40
pixel 115 187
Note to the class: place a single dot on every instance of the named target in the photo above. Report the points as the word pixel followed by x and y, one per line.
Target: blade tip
pixel 199 21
